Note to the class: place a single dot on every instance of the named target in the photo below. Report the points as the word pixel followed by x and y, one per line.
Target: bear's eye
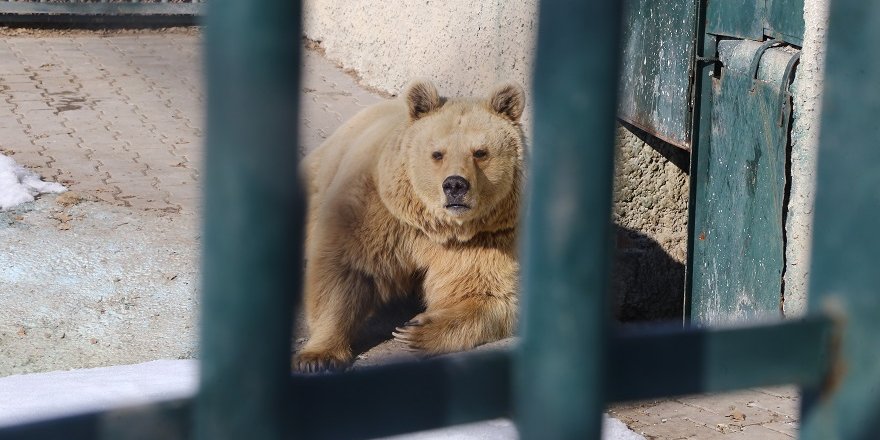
pixel 480 154
pixel 437 155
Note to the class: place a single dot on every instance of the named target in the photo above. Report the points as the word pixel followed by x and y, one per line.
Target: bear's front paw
pixel 320 362
pixel 430 334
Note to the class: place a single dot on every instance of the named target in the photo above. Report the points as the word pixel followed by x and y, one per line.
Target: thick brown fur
pixel 379 226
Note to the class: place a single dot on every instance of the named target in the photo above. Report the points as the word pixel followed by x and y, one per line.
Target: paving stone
pixel 98 137
pixel 678 431
pixel 85 118
pixel 18 142
pixel 68 156
pixel 757 432
pixel 77 170
pixel 693 414
pixel 17 96
pixel 172 175
pixel 18 84
pixel 153 204
pixel 721 403
pixel 785 392
pixel 789 408
pixel 158 159
pixel 46 124
pixel 30 159
pixel 184 190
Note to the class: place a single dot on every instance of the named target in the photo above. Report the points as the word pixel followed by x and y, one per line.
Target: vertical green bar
pixel 253 219
pixel 560 368
pixel 844 269
pixel 706 47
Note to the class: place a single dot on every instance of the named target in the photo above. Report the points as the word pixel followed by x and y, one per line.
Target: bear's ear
pixel 508 99
pixel 421 98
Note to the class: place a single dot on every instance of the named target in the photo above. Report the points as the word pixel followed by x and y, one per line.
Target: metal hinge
pixel 784 93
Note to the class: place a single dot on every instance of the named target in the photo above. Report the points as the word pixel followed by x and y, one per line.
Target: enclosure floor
pixel 753 414
pixel 108 274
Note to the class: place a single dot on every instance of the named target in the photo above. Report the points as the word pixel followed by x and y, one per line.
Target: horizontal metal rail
pixel 406 397
pixel 88 12
pixel 470 387
pixel 170 420
pixel 657 362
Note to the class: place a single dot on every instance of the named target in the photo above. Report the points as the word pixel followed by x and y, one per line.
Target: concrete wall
pixel 467 46
pixel 650 213
pixel 807 91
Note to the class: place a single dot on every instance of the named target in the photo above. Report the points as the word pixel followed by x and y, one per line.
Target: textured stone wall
pixel 650 211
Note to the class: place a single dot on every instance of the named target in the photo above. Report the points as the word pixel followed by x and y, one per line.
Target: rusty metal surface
pixel 738 230
pixel 658 46
pixel 753 20
pixel 785 20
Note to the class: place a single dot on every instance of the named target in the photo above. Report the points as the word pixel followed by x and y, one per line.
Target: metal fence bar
pixel 397 399
pixel 468 387
pixel 81 13
pixel 656 362
pixel 844 274
pixel 101 8
pixel 253 220
pixel 169 420
pixel 561 366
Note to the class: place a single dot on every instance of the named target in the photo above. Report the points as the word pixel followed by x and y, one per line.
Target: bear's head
pixel 463 159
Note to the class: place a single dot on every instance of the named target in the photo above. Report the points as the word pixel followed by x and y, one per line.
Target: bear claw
pixel 317 364
pixel 406 336
pixel 400 334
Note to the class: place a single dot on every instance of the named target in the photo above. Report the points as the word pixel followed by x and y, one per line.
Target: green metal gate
pixel 739 183
pixel 739 163
pixel 570 363
pixel 729 104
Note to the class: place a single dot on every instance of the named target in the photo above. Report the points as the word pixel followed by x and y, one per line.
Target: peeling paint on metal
pixel 658 44
pixel 741 180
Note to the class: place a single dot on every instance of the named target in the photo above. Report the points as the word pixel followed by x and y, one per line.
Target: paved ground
pixel 755 414
pixel 118 119
pixel 108 273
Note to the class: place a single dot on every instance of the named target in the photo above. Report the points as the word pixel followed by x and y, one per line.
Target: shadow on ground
pixel 647 283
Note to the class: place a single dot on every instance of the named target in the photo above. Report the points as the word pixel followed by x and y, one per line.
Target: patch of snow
pixel 504 429
pixel 614 429
pixel 19 185
pixel 40 396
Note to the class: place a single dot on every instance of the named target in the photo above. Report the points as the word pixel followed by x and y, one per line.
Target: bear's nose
pixel 455 186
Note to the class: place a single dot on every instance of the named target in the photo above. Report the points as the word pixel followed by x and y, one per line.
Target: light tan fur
pixel 379 227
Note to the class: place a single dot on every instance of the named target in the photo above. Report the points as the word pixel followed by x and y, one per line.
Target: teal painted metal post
pixel 253 219
pixel 846 241
pixel 560 371
pixel 705 49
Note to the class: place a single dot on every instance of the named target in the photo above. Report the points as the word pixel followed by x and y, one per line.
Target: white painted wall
pixel 807 91
pixel 465 46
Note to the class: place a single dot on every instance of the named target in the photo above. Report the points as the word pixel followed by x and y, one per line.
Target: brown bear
pixel 419 195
